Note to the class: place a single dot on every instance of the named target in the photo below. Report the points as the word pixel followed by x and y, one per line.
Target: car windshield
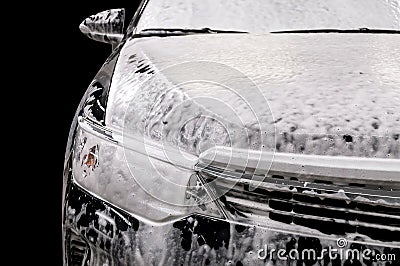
pixel 263 16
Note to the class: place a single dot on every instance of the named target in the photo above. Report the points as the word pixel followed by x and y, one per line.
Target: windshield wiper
pixel 361 30
pixel 160 32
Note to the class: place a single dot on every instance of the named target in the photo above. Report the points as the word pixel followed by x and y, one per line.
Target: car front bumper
pixel 98 233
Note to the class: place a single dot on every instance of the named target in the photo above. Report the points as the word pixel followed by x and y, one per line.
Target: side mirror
pixel 106 26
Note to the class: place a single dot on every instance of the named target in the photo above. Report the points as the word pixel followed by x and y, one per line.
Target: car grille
pixel 337 208
pixel 78 250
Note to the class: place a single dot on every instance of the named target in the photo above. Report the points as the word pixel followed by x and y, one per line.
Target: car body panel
pixel 325 94
pixel 193 240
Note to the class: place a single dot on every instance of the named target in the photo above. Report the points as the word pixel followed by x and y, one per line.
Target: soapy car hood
pixel 321 94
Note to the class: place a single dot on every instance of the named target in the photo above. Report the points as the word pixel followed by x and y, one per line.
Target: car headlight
pixel 139 177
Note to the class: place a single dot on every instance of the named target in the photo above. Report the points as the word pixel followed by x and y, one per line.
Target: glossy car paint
pixel 323 101
pixel 316 85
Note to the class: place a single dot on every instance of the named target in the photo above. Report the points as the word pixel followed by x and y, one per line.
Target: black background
pixel 85 57
pixel 72 60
